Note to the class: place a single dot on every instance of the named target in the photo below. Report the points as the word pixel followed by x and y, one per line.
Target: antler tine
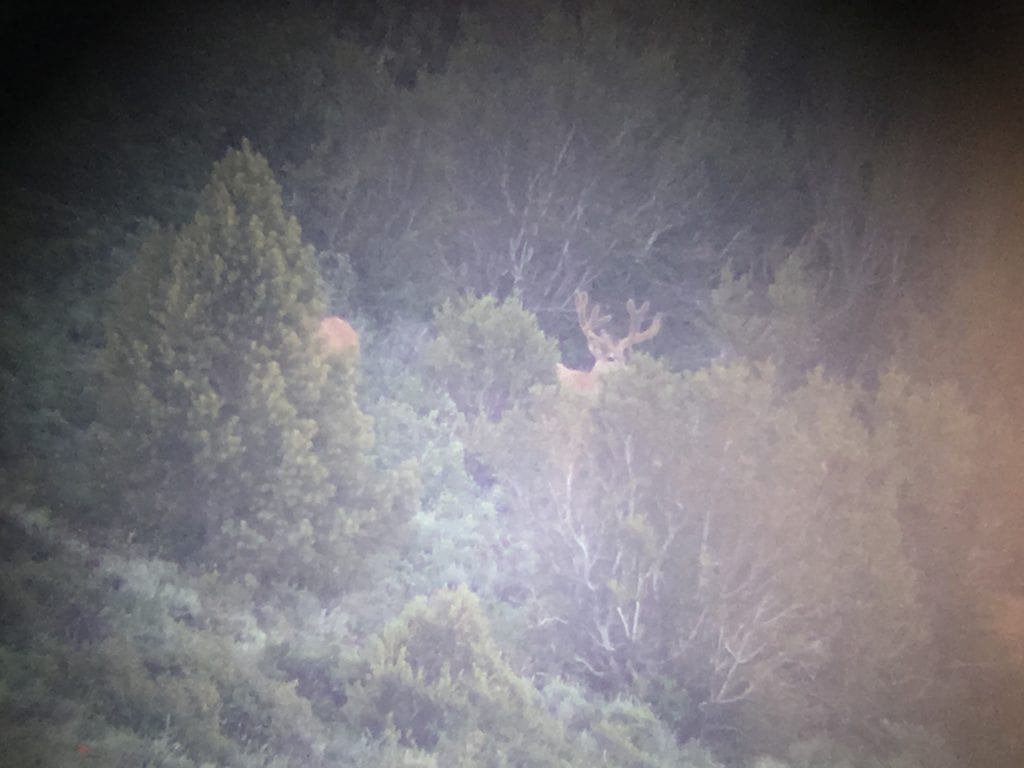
pixel 636 315
pixel 581 307
pixel 590 318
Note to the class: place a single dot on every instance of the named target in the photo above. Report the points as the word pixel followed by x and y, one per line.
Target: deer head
pixel 338 335
pixel 608 352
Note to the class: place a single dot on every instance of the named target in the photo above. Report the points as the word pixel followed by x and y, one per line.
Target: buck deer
pixel 609 353
pixel 338 335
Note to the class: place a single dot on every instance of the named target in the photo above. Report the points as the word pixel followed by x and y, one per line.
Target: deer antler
pixel 608 352
pixel 636 320
pixel 592 322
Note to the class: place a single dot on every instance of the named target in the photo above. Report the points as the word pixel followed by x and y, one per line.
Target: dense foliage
pixel 790 537
pixel 227 431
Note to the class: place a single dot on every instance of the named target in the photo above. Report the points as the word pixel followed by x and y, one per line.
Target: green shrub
pixel 436 678
pixel 487 355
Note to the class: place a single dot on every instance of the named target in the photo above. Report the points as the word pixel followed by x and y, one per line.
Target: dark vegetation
pixel 787 534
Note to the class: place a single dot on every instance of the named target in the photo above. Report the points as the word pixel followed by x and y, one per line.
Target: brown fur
pixel 338 335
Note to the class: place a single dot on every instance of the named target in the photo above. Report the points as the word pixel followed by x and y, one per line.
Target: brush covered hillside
pixel 625 385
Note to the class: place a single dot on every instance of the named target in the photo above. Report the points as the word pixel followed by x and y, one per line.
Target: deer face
pixel 608 352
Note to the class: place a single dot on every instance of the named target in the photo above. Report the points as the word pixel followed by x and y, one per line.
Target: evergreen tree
pixel 228 432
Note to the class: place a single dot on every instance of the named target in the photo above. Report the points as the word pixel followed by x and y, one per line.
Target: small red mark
pixel 84 749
